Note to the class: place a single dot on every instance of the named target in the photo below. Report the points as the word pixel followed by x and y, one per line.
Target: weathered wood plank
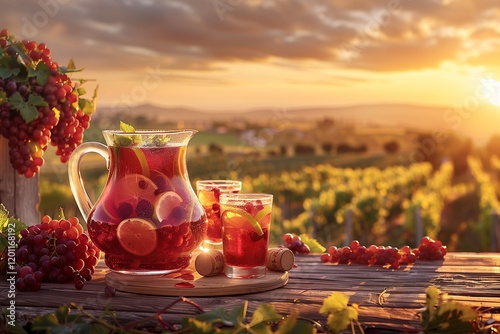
pixel 385 297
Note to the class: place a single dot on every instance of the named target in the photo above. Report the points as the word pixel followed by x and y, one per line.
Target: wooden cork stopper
pixel 279 259
pixel 210 263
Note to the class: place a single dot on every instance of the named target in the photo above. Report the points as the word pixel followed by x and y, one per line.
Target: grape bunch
pixel 55 251
pixel 295 244
pixel 429 249
pixel 39 104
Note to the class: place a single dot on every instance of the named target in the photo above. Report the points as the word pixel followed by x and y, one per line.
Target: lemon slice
pixel 234 212
pixel 262 213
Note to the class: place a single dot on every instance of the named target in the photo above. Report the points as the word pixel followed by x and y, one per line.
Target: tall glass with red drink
pixel 246 222
pixel 209 192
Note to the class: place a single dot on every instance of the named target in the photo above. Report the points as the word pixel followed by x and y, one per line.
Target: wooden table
pixel 386 298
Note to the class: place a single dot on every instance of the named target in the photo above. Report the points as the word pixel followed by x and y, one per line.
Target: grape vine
pixel 39 104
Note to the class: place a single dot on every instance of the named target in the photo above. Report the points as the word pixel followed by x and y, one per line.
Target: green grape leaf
pixel 4 218
pixel 41 73
pixel 341 320
pixel 71 68
pixel 446 317
pixel 291 325
pixel 97 329
pixel 21 53
pixel 335 302
pixel 28 108
pixel 71 64
pixel 6 222
pixel 340 314
pixel 16 329
pixel 81 91
pixel 8 72
pixel 431 298
pixel 200 327
pixel 453 318
pixel 86 105
pixel 228 318
pixel 313 244
pixel 264 314
pixel 45 321
pixel 62 313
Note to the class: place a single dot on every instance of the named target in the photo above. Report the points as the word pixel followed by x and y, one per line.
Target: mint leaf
pixel 28 108
pixel 313 244
pixel 122 140
pixel 126 127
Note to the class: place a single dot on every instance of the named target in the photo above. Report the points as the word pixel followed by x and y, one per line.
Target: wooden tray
pixel 189 283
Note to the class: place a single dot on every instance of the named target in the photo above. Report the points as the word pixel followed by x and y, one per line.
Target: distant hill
pixel 478 123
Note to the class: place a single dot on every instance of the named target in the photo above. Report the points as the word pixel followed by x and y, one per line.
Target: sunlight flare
pixel 492 90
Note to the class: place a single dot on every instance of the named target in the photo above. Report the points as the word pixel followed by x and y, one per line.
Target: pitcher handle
pixel 75 178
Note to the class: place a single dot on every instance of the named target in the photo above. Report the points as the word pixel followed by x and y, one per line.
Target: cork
pixel 210 263
pixel 279 259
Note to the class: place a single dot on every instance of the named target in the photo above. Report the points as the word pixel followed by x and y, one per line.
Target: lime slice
pixel 232 213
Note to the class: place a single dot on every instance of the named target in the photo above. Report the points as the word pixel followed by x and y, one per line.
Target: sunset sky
pixel 220 55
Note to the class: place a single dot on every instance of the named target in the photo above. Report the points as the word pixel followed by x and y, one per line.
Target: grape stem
pixel 167 325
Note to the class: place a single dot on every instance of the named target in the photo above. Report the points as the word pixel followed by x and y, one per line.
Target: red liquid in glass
pixel 242 246
pixel 148 217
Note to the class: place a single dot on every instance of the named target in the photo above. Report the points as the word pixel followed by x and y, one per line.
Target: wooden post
pixel 19 195
pixel 348 227
pixel 419 228
pixel 494 234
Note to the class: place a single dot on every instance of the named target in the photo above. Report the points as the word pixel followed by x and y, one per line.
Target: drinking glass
pixel 246 220
pixel 209 192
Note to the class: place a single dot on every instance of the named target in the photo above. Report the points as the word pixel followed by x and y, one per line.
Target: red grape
pixel 429 249
pixel 60 121
pixel 45 254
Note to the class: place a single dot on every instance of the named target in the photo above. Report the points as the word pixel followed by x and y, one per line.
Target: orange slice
pixel 132 188
pixel 137 236
pixel 164 205
pixel 239 217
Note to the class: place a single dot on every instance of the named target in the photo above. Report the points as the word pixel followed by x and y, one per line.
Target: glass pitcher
pixel 148 218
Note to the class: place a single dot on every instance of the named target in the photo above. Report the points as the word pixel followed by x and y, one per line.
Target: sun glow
pixel 492 91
